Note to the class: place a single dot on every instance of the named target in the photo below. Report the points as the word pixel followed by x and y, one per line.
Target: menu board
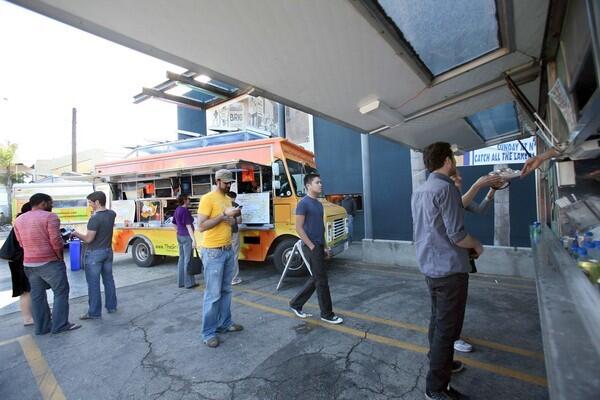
pixel 255 208
pixel 125 210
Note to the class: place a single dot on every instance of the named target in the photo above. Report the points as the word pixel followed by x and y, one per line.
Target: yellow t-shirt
pixel 212 205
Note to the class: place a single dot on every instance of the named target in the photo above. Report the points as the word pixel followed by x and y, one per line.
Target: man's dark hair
pixel 308 178
pixel 38 199
pixel 182 198
pixel 232 195
pixel 435 155
pixel 97 196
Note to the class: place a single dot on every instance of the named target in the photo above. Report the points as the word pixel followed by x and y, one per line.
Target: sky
pixel 48 68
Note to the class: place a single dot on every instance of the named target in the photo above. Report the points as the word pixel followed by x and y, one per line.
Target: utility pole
pixel 74 141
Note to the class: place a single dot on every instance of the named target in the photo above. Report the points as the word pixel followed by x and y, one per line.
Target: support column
pixel 281 119
pixel 502 215
pixel 418 170
pixel 366 181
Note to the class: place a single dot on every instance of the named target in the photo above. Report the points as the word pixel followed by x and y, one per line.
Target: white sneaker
pixel 462 346
pixel 236 281
pixel 334 320
pixel 300 313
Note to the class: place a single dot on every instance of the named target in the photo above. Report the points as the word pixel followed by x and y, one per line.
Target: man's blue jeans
pixel 51 275
pixel 218 273
pixel 99 263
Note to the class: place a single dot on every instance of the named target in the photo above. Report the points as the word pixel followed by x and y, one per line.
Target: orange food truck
pixel 269 175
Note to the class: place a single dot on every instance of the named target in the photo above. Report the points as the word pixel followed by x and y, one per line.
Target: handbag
pixel 11 250
pixel 195 265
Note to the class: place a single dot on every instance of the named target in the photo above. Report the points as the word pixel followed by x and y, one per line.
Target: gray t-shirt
pixel 102 222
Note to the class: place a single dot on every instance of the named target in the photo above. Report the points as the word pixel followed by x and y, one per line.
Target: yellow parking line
pixel 44 377
pixel 406 325
pixel 9 341
pixel 533 379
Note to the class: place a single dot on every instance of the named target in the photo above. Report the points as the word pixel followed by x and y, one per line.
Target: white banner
pixel 505 153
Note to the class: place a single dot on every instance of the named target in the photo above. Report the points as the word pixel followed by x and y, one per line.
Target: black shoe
pixel 438 395
pixel 233 328
pixel 299 313
pixel 457 366
pixel 448 394
pixel 455 394
pixel 335 320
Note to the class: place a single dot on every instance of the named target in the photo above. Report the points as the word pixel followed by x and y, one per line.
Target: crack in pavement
pixel 156 367
pixel 347 363
pixel 416 384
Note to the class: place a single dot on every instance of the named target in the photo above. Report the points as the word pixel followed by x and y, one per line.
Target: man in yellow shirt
pixel 215 218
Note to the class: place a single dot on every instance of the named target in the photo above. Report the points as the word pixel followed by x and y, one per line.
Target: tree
pixel 7 158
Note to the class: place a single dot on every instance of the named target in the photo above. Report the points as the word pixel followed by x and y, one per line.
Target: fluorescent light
pixel 382 113
pixel 178 90
pixel 202 78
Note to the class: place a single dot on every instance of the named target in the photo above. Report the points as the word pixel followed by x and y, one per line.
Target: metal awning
pixel 355 62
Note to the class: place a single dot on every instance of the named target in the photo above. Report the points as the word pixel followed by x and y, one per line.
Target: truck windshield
pixel 297 173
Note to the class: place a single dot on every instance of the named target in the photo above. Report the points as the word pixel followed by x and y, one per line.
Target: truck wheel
pixel 142 254
pixel 281 255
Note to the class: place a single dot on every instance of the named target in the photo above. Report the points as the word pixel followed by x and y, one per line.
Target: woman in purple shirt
pixel 184 222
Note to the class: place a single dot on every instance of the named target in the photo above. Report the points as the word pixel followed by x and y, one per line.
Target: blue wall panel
pixel 523 210
pixel 522 207
pixel 338 156
pixel 391 186
pixel 191 120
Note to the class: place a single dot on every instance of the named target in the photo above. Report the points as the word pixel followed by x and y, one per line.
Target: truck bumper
pixel 337 249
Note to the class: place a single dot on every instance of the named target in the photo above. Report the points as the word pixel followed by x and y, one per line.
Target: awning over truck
pixel 207 159
pixel 413 71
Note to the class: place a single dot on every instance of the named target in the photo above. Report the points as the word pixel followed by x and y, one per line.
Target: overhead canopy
pixel 413 71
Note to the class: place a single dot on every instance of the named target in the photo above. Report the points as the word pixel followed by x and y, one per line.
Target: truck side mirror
pixel 276 185
pixel 275 169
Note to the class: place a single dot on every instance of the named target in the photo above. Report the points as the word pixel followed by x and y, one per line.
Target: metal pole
pixel 281 119
pixel 593 13
pixel 418 170
pixel 502 214
pixel 366 179
pixel 74 140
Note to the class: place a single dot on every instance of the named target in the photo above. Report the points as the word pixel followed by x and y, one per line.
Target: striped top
pixel 38 232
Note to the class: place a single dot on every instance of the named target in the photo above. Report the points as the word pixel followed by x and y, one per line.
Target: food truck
pixel 268 173
pixel 69 198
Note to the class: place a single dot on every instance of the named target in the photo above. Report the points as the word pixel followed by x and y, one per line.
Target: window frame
pixel 372 11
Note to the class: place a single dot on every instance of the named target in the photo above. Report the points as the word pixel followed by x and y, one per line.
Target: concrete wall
pixel 510 261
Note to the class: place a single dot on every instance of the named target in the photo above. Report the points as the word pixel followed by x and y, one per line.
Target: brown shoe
pixel 234 328
pixel 212 342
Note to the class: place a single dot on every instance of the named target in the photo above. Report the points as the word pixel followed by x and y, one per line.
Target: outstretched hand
pixel 489 181
pixel 531 165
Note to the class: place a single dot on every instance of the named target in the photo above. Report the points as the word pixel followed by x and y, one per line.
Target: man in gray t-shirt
pixel 102 222
pixel 99 256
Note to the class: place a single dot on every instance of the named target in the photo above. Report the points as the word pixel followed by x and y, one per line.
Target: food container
pixel 591 269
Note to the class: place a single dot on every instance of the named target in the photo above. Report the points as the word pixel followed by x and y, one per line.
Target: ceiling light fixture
pixel 202 78
pixel 382 113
